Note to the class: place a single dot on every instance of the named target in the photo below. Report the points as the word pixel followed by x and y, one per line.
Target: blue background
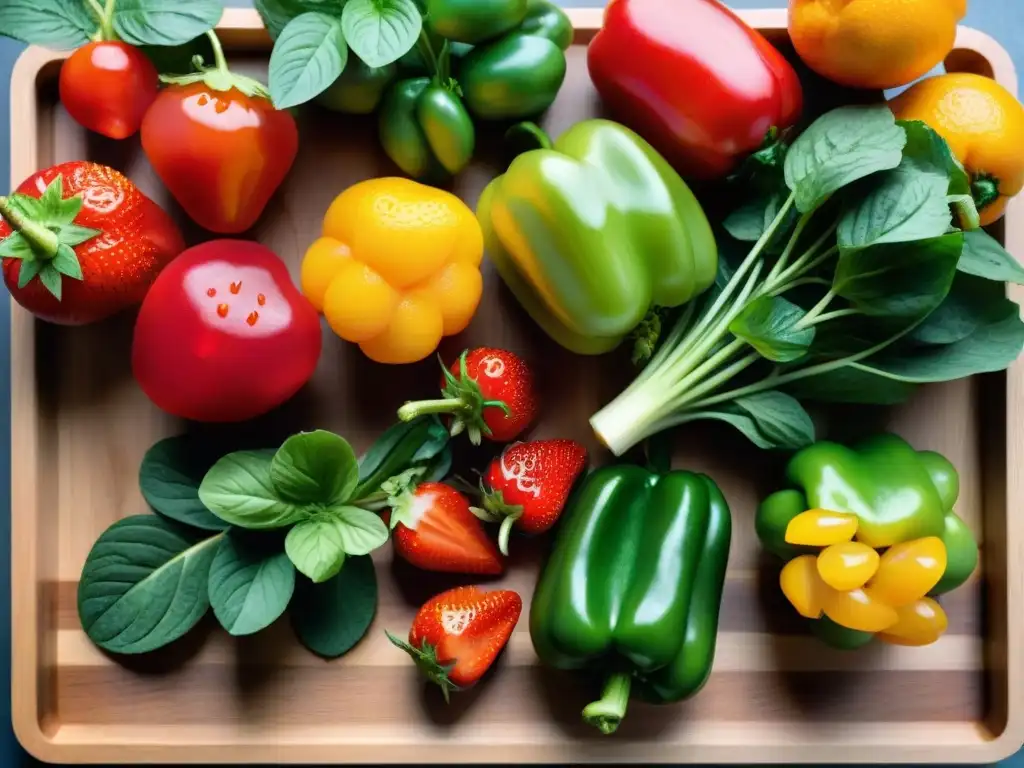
pixel 1003 19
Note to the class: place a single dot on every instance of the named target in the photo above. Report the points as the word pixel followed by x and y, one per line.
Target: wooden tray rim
pixel 76 744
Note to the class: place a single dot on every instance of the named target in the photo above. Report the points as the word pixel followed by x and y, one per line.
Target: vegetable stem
pixel 834 315
pixel 43 242
pixel 606 713
pixel 105 18
pixel 790 246
pixel 219 59
pixel 427 51
pixel 410 411
pixel 809 319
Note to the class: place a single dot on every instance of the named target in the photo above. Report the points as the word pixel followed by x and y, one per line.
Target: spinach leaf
pixel 928 148
pixel 277 13
pixel 770 420
pixel 251 582
pixel 769 325
pixel 315 548
pixel 381 31
pixel 852 383
pixel 315 468
pixel 309 55
pixel 159 22
pixel 330 618
pixel 985 257
pixel 144 584
pixel 55 24
pixel 169 478
pixel 404 445
pixel 899 280
pixel 972 303
pixel 238 489
pixel 840 147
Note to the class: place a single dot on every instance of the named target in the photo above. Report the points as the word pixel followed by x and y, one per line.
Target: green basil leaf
pixel 403 446
pixel 840 147
pixel 159 22
pixel 315 467
pixel 770 325
pixel 899 280
pixel 852 383
pixel 985 257
pixel 169 479
pixel 315 547
pixel 238 489
pixel 972 303
pixel 144 584
pixel 14 246
pixel 251 582
pixel 330 618
pixel 58 24
pixel 308 57
pixel 381 31
pixel 770 420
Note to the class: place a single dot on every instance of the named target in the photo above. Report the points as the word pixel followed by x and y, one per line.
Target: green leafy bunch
pixel 69 24
pixel 313 39
pixel 846 280
pixel 232 530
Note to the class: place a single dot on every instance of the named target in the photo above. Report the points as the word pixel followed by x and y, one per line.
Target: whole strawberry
pixel 80 242
pixel 528 484
pixel 433 529
pixel 457 635
pixel 488 392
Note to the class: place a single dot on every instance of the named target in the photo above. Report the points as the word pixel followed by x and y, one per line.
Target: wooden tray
pixel 81 425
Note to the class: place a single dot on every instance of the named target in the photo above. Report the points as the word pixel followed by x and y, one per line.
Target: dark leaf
pixel 330 618
pixel 251 581
pixel 972 303
pixel 770 325
pixel 169 478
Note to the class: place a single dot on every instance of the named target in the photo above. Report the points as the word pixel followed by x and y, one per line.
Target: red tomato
pixel 692 78
pixel 224 335
pixel 222 154
pixel 107 87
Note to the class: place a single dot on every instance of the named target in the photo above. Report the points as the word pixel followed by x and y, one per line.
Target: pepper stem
pixel 606 713
pixel 985 190
pixel 219 60
pixel 44 243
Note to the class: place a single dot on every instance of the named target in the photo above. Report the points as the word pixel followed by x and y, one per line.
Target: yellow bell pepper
pixel 396 269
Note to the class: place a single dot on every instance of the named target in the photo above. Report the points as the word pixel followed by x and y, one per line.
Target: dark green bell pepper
pixel 359 89
pixel 473 21
pixel 516 76
pixel 546 19
pixel 592 233
pixel 425 129
pixel 634 585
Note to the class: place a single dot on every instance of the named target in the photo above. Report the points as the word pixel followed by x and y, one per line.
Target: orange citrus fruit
pixel 874 43
pixel 983 124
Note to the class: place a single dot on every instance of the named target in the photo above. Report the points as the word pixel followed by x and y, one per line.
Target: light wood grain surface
pixel 81 426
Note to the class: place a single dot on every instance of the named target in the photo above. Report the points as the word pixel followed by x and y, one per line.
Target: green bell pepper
pixel 473 21
pixel 634 585
pixel 359 89
pixel 546 19
pixel 591 234
pixel 517 76
pixel 425 129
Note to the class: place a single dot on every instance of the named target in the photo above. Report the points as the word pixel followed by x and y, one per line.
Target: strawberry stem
pixel 411 410
pixel 606 713
pixel 44 242
pixel 495 510
pixel 506 529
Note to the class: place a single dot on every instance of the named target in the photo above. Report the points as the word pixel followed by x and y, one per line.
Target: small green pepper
pixel 633 587
pixel 473 21
pixel 545 19
pixel 425 129
pixel 359 89
pixel 514 77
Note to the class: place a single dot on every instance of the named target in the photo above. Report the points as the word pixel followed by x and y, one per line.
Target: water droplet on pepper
pixel 821 528
pixel 920 623
pixel 857 609
pixel 802 585
pixel 847 565
pixel 222 310
pixel 908 571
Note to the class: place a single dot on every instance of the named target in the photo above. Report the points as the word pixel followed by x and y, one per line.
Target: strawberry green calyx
pixel 463 399
pixel 400 491
pixel 426 660
pixel 218 77
pixel 44 236
pixel 495 509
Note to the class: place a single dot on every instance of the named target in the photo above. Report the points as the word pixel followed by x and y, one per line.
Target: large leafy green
pixel 330 618
pixel 251 581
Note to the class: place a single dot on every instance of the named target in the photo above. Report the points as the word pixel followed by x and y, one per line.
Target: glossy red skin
pixel 222 154
pixel 198 361
pixel 502 375
pixel 694 80
pixel 138 239
pixel 108 86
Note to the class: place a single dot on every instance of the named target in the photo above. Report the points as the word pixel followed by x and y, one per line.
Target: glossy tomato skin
pixel 224 335
pixel 222 154
pixel 107 87
pixel 694 80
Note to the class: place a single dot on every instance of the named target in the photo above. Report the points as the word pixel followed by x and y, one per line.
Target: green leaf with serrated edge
pixel 169 479
pixel 769 325
pixel 238 489
pixel 381 31
pixel 14 246
pixel 50 278
pixel 315 468
pixel 985 257
pixel 840 147
pixel 66 262
pixel 73 234
pixel 27 204
pixel 144 584
pixel 27 269
pixel 330 618
pixel 972 302
pixel 251 582
pixel 58 24
pixel 308 57
pixel 160 22
pixel 315 548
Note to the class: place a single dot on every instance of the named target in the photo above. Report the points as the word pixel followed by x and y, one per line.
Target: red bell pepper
pixel 694 80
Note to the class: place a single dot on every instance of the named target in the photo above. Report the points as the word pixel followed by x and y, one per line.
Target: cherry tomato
pixel 222 154
pixel 224 335
pixel 107 87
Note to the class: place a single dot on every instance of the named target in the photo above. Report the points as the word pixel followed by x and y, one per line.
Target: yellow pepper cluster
pixel 859 589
